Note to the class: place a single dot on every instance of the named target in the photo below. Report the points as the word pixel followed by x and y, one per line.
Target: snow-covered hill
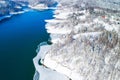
pixel 107 4
pixel 86 43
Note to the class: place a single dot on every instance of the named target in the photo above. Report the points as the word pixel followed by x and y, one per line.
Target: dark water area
pixel 19 37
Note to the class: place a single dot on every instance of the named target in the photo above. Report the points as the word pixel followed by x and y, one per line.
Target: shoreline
pixel 12 14
pixel 42 71
pixel 27 44
pixel 64 54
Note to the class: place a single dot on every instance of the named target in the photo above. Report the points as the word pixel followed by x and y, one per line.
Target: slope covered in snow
pixel 106 4
pixel 86 42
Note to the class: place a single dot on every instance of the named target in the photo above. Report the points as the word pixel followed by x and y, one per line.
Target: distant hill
pixel 34 2
pixel 106 4
pixel 6 7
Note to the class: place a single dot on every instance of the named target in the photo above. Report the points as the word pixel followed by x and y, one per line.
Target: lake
pixel 19 37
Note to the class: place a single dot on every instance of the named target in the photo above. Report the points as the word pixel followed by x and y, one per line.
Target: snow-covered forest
pixel 85 36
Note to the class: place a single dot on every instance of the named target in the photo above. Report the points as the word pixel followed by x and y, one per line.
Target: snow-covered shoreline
pixel 81 51
pixel 4 17
pixel 13 13
pixel 39 7
pixel 44 72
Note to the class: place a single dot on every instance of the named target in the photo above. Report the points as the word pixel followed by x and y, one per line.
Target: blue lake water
pixel 19 37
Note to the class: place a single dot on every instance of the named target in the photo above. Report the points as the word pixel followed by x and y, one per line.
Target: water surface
pixel 19 37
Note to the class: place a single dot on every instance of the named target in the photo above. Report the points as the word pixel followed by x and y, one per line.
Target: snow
pixel 81 49
pixel 62 15
pixel 46 73
pixel 39 7
pixel 107 4
pixel 107 26
pixel 3 17
pixel 86 34
pixel 14 13
pixel 19 7
pixel 20 12
pixel 2 2
pixel 55 40
pixel 54 21
pixel 58 31
pixel 80 55
pixel 52 64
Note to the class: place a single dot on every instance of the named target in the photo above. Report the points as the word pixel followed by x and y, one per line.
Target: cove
pixel 19 37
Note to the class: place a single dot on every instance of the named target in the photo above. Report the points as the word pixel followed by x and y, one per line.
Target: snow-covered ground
pixel 13 13
pixel 86 45
pixel 39 7
pixel 45 73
